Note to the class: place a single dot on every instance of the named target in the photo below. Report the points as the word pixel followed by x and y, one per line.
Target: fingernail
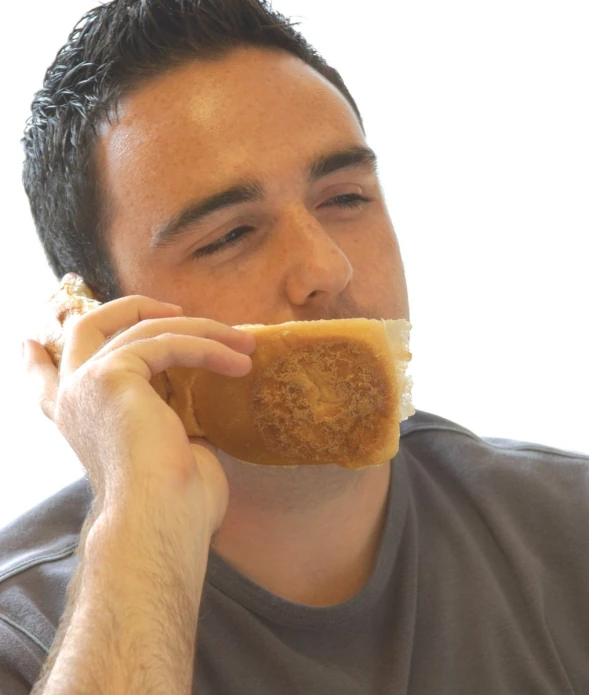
pixel 70 276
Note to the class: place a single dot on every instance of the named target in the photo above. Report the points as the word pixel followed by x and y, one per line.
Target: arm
pixel 130 622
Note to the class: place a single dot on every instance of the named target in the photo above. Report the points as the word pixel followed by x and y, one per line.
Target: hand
pixel 127 438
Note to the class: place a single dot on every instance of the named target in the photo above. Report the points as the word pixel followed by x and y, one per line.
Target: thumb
pixel 42 376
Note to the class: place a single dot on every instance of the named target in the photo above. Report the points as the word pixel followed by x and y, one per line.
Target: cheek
pixel 379 276
pixel 372 252
pixel 233 293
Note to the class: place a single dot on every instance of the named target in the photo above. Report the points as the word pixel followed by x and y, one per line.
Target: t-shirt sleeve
pixel 21 659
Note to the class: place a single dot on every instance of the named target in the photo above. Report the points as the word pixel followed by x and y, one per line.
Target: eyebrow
pixel 176 227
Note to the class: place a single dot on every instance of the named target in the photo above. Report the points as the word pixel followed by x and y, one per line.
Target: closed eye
pixel 348 200
pixel 226 241
pixel 235 236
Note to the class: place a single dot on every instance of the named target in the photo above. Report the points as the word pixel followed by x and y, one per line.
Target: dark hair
pixel 114 49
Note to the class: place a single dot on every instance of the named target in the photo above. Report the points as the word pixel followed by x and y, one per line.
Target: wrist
pixel 136 604
pixel 135 537
pixel 143 505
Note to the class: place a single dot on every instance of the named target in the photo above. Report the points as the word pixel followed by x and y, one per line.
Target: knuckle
pixel 101 375
pixel 76 325
pixel 166 337
pixel 115 335
pixel 132 299
pixel 87 387
pixel 149 324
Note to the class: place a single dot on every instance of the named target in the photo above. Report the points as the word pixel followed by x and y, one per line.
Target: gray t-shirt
pixel 481 586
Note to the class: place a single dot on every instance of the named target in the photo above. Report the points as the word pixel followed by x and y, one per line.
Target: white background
pixel 479 113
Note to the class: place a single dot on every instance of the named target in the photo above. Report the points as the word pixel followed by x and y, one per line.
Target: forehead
pixel 256 111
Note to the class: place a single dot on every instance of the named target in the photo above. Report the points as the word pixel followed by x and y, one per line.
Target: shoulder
pixel 506 522
pixel 37 560
pixel 437 441
pixel 539 492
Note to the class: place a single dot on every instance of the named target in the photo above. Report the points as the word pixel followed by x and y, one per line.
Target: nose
pixel 317 268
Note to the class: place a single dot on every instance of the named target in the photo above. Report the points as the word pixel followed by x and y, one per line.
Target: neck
pixel 308 534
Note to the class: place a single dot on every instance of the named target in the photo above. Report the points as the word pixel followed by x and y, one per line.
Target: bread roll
pixel 73 298
pixel 320 392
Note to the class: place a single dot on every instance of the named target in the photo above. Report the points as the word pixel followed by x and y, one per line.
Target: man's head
pixel 158 111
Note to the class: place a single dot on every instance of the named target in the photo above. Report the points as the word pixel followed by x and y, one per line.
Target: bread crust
pixel 320 392
pixel 72 298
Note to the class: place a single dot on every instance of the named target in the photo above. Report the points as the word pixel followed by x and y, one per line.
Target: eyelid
pixel 218 245
pixel 357 197
pixel 348 185
pixel 356 200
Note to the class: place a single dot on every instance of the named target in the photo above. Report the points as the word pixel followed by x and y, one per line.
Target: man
pixel 201 167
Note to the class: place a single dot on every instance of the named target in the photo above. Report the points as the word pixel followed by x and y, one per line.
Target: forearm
pixel 132 616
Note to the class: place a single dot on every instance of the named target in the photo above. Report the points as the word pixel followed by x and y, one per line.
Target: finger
pixel 42 376
pixel 238 340
pixel 198 443
pixel 86 334
pixel 154 355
